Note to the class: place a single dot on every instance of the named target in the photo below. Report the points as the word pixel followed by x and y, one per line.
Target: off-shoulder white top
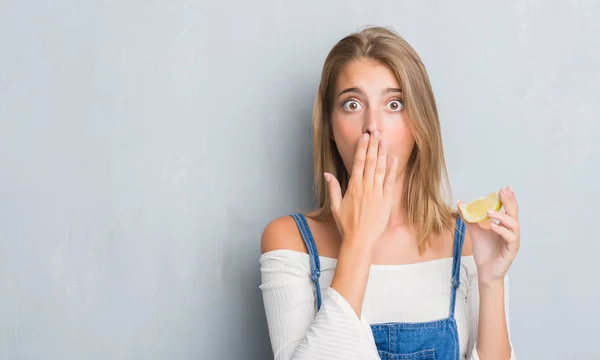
pixel 417 292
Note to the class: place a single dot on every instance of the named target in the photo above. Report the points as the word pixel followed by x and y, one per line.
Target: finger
pixel 359 158
pixel 509 201
pixel 390 178
pixel 503 231
pixel 511 239
pixel 371 160
pixel 335 191
pixel 505 219
pixel 381 166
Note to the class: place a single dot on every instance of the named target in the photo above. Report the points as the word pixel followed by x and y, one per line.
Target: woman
pixel 384 267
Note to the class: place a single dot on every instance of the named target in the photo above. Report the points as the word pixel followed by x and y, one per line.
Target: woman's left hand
pixel 495 246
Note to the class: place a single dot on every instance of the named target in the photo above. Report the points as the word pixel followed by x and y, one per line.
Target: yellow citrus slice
pixel 476 211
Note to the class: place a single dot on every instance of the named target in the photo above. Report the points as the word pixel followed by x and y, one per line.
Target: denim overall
pixel 432 340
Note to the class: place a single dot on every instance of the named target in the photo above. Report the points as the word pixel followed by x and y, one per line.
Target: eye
pixel 395 105
pixel 352 105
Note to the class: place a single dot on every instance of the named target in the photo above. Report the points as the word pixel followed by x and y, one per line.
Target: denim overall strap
pixel 459 237
pixel 315 264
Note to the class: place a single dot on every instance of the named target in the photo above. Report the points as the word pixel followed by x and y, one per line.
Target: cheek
pixel 399 138
pixel 401 134
pixel 345 124
pixel 346 135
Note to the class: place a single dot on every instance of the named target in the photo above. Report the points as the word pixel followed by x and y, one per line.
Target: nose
pixel 372 121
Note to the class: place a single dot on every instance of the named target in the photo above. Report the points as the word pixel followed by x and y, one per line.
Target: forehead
pixel 367 74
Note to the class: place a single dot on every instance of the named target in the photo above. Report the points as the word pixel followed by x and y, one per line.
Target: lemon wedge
pixel 476 211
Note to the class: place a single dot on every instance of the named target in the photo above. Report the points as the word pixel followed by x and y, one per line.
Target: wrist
pixel 491 286
pixel 358 244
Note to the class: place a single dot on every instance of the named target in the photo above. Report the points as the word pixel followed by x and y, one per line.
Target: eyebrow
pixel 359 91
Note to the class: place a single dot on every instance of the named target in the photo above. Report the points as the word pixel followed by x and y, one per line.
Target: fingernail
pixel 376 134
pixel 493 225
pixel 365 137
pixel 326 175
pixel 490 212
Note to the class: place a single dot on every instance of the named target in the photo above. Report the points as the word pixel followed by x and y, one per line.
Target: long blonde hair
pixel 427 191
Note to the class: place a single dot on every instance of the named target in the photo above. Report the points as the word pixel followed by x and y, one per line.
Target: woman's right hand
pixel 363 212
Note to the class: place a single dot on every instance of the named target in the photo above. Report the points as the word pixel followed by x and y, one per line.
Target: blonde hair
pixel 426 192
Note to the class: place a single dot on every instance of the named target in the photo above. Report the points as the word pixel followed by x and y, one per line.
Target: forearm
pixel 352 272
pixel 492 336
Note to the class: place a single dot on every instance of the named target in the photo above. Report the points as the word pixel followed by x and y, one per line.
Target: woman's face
pixel 368 98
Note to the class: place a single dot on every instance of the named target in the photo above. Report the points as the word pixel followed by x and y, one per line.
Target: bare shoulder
pixel 281 233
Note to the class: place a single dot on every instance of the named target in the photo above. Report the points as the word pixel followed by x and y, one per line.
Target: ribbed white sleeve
pixel 296 333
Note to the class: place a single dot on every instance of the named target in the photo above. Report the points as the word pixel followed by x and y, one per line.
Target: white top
pixel 417 292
